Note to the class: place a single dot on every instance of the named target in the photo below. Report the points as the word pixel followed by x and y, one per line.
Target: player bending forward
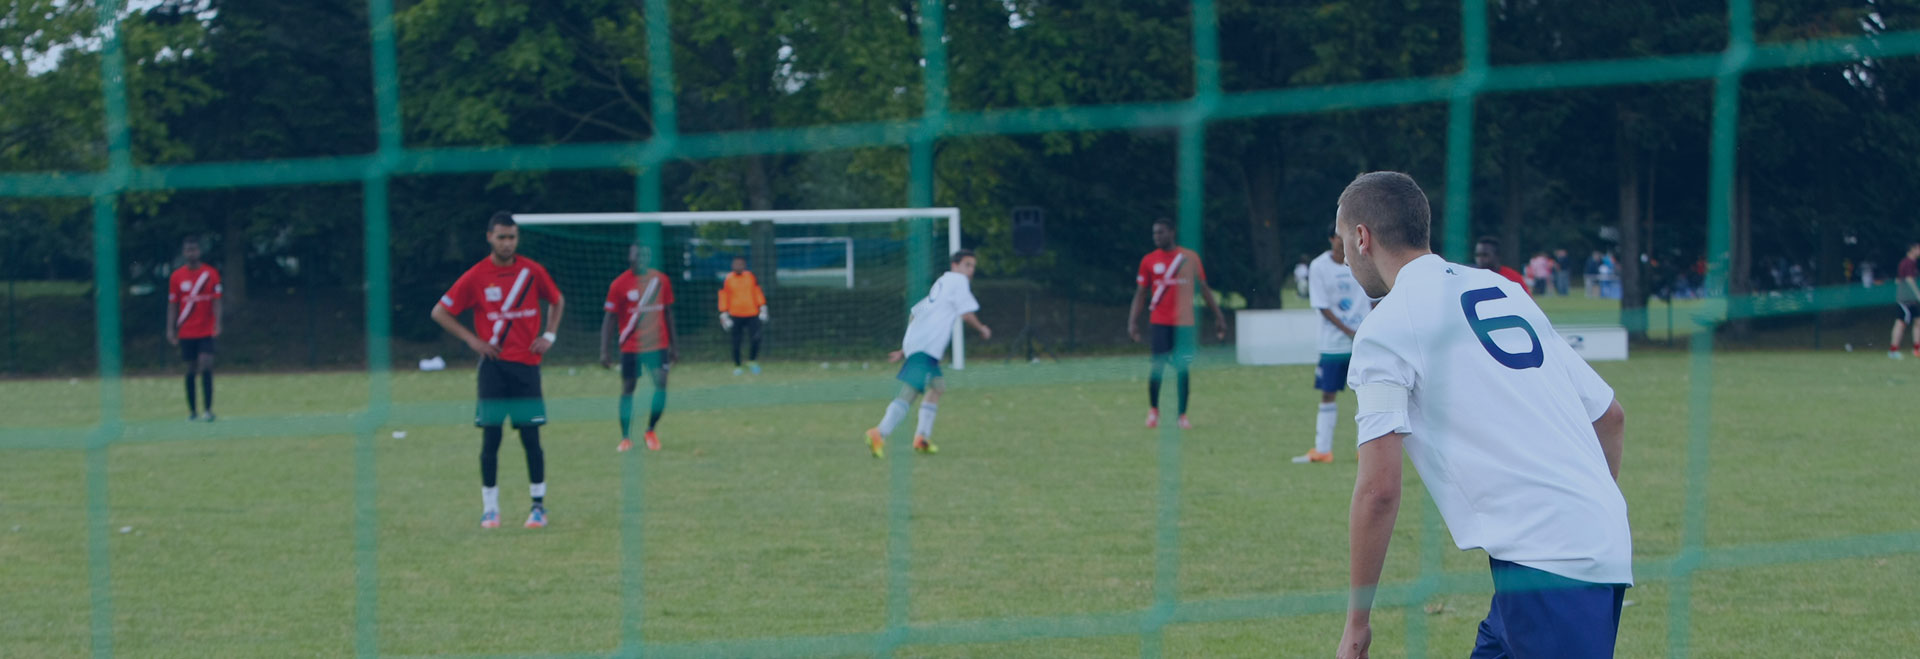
pixel 1516 438
pixel 929 330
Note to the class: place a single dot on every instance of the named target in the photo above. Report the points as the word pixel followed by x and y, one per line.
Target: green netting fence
pixel 1190 118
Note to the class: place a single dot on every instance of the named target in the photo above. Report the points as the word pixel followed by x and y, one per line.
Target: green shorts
pixel 919 371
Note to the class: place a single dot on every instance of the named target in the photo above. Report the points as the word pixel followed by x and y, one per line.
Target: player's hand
pixel 483 348
pixel 1133 331
pixel 763 314
pixel 605 361
pixel 540 345
pixel 986 334
pixel 673 355
pixel 173 339
pixel 895 356
pixel 1355 641
pixel 1220 326
pixel 726 321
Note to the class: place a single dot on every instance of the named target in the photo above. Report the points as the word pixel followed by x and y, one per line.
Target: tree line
pixel 1826 162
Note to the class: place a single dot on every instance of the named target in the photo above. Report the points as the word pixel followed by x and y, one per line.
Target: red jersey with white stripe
pixel 192 292
pixel 639 306
pixel 506 303
pixel 1170 276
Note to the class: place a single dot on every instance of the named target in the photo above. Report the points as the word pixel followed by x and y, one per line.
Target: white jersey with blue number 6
pixel 1498 417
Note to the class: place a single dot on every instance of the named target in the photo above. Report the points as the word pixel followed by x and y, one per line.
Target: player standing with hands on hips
pixel 1517 439
pixel 505 291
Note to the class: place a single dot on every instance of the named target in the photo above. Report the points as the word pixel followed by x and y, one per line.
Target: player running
pixel 929 332
pixel 641 307
pixel 1342 307
pixel 743 307
pixel 505 291
pixel 1517 439
pixel 1168 276
pixel 193 321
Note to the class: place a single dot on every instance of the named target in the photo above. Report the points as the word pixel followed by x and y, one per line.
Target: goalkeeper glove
pixel 763 313
pixel 726 321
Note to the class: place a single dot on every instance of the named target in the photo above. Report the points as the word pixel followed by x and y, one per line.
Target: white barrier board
pixel 1291 336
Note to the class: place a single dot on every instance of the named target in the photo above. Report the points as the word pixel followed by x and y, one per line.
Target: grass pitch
pixel 764 518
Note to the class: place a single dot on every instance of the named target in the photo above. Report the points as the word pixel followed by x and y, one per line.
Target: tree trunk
pixel 1740 256
pixel 1513 212
pixel 233 266
pixel 1260 178
pixel 764 261
pixel 1633 300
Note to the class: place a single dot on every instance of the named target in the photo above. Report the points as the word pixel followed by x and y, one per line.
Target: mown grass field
pixel 764 517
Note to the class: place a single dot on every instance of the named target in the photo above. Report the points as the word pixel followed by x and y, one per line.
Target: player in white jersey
pixel 1342 305
pixel 929 331
pixel 1517 439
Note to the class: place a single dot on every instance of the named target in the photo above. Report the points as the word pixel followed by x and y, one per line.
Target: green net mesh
pixel 885 258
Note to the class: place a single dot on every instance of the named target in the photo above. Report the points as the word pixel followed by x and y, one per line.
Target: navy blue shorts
pixel 920 370
pixel 1166 343
pixel 192 349
pixel 1330 376
pixel 1539 614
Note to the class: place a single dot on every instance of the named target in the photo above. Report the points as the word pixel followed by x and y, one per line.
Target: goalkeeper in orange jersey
pixel 743 309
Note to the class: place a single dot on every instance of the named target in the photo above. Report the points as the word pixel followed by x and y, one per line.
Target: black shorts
pixel 1164 343
pixel 1902 311
pixel 192 349
pixel 510 390
pixel 632 363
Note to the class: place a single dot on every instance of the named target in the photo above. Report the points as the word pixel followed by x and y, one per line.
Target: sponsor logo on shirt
pixel 1159 268
pixel 512 315
pixel 633 295
pixel 186 286
pixel 493 293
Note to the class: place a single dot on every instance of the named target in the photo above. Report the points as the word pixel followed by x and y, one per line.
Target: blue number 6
pixel 1485 327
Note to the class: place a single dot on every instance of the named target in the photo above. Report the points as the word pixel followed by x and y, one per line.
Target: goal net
pixel 838 282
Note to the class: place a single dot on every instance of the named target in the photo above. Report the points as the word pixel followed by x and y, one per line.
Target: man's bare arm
pixel 1133 312
pixel 1376 506
pixel 1612 429
pixel 452 325
pixel 1328 314
pixel 974 322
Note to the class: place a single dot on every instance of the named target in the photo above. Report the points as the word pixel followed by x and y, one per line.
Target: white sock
pixel 925 426
pixel 538 489
pixel 1323 427
pixel 490 499
pixel 896 412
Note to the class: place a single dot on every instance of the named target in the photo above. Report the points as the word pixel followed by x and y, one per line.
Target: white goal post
pixel 828 216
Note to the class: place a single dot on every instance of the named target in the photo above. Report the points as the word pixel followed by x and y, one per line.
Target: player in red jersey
pixel 640 308
pixel 1168 277
pixel 193 321
pixel 1486 255
pixel 505 291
